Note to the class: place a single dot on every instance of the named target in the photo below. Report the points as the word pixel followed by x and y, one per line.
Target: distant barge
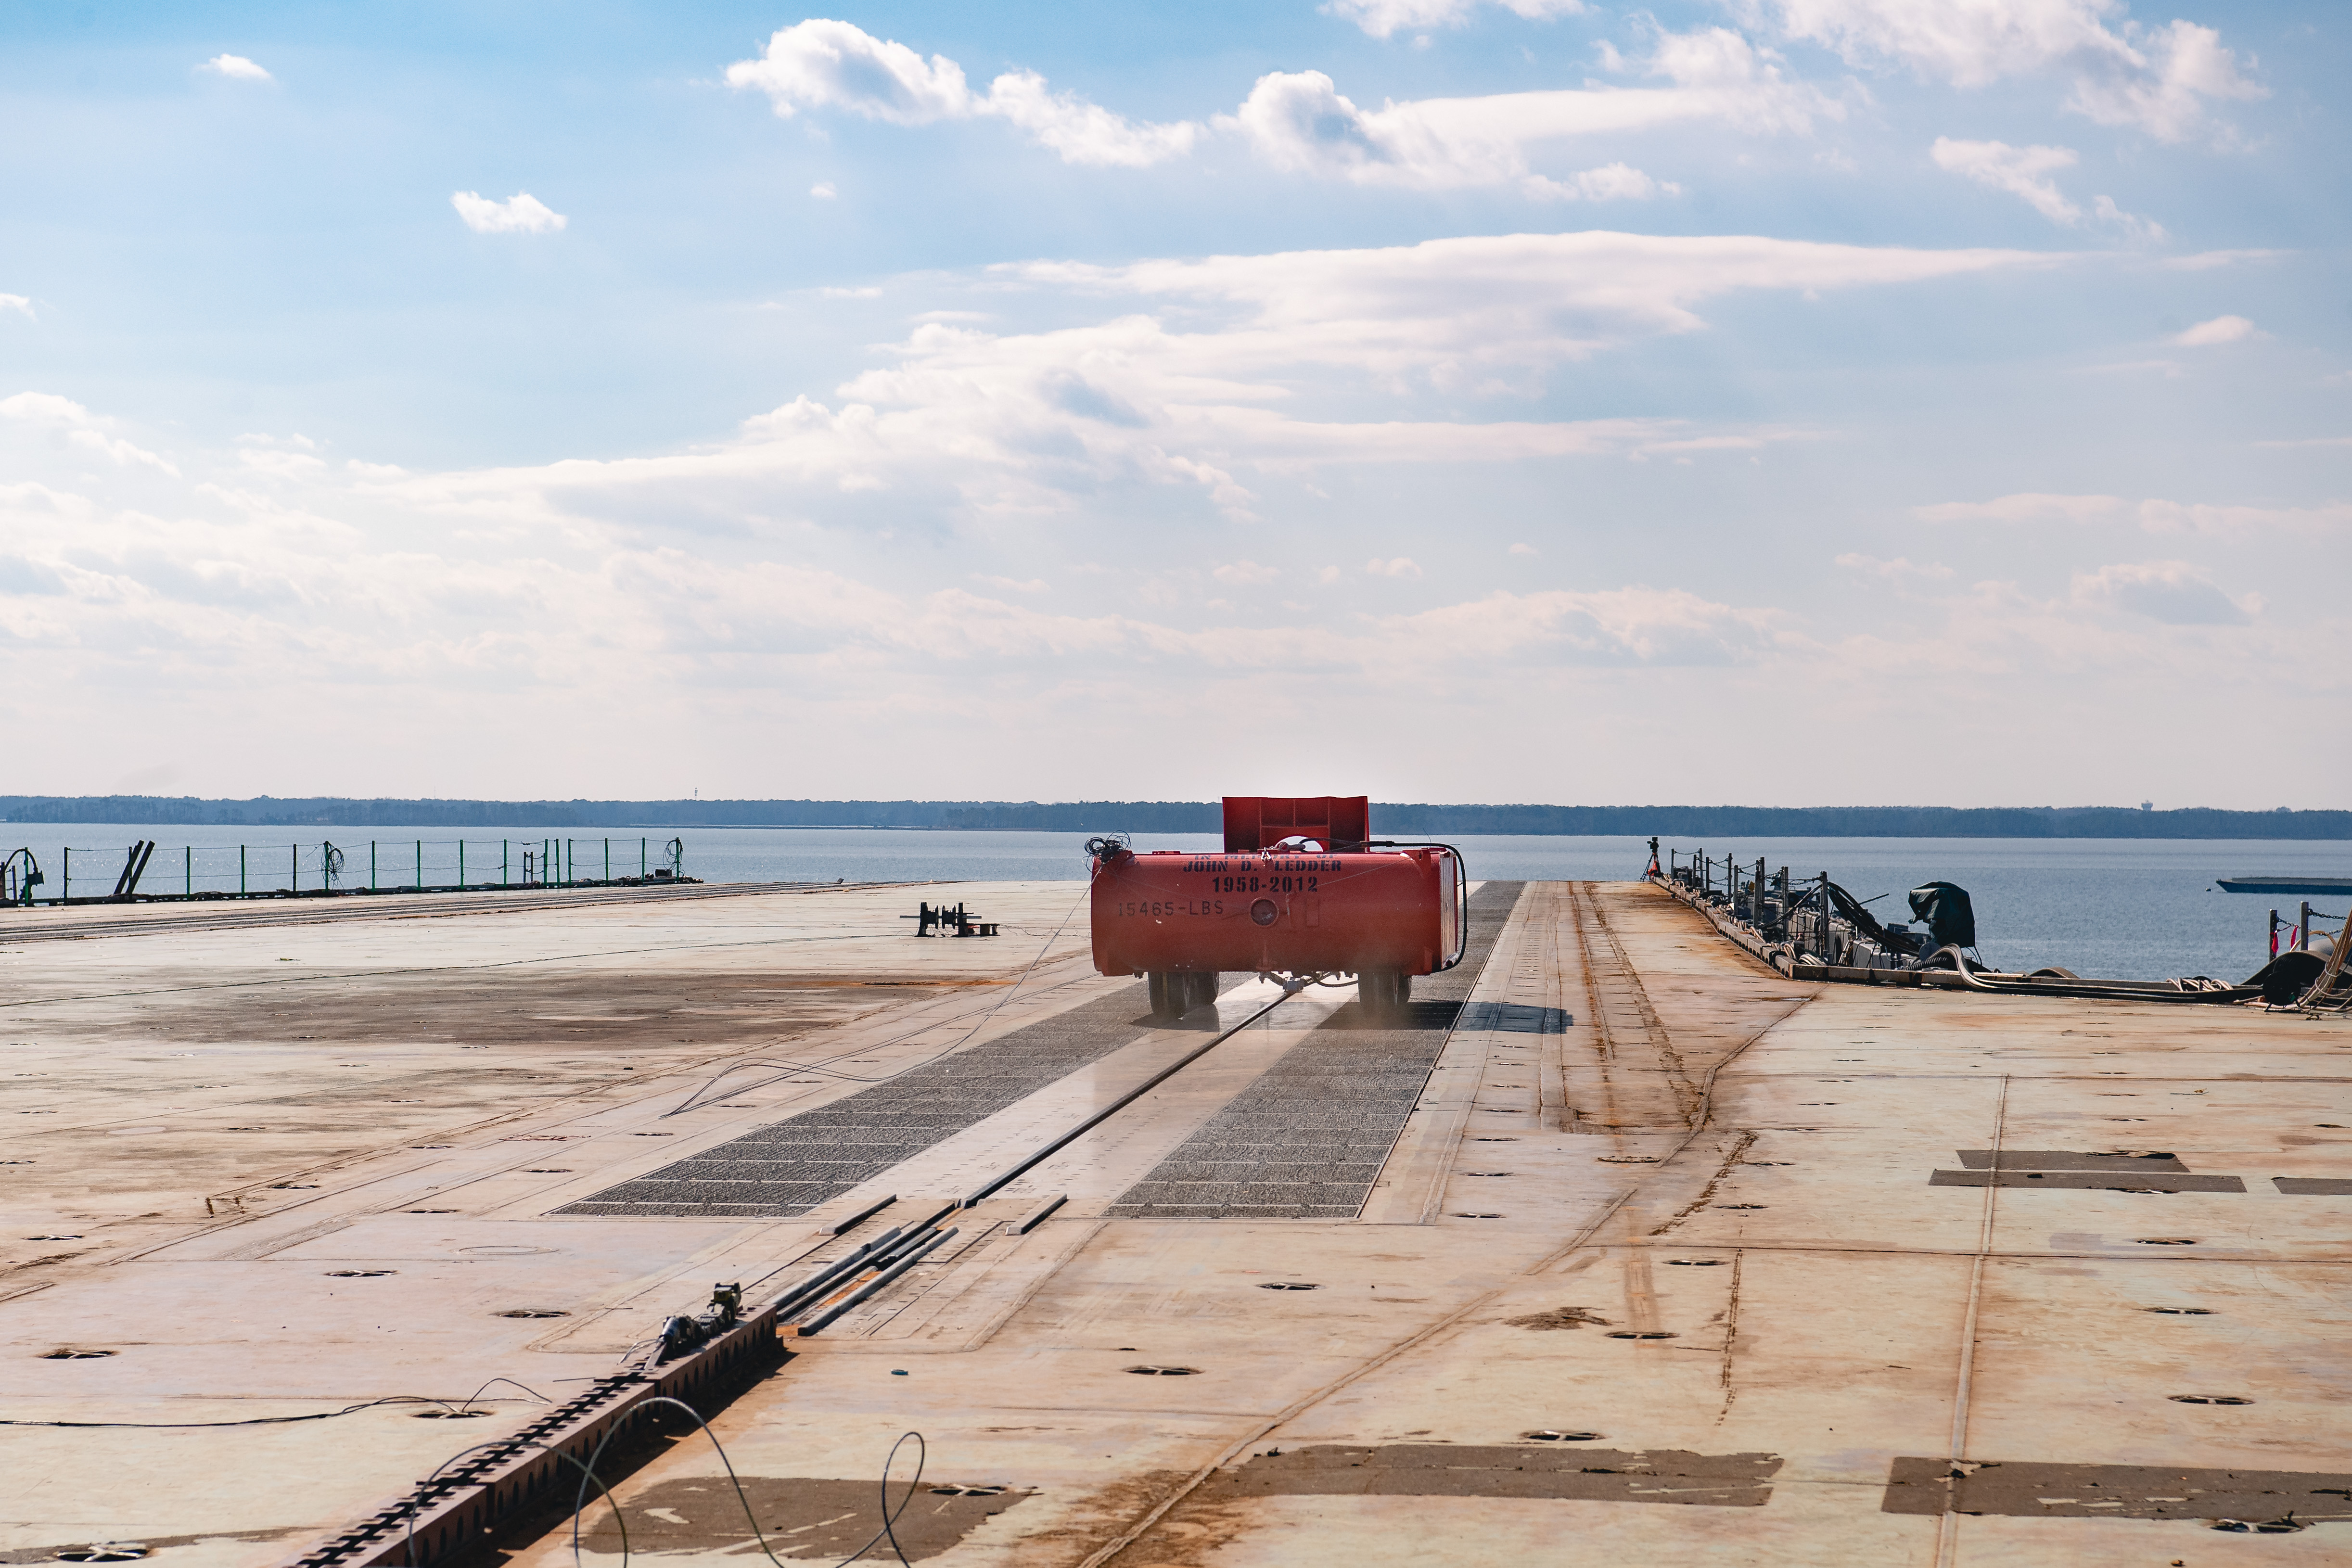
pixel 2301 886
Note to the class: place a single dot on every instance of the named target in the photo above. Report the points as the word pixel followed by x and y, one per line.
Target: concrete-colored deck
pixel 235 1129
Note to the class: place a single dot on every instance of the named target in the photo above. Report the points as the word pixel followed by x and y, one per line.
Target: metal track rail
pixel 439 1519
pixel 817 1302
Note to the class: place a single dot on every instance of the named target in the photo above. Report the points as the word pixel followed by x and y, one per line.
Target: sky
pixel 1771 402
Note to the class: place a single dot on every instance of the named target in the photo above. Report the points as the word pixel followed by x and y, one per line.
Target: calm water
pixel 2129 909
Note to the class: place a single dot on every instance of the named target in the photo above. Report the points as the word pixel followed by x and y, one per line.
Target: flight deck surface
pixel 1616 1248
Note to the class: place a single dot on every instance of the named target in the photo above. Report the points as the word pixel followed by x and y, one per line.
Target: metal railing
pixel 146 873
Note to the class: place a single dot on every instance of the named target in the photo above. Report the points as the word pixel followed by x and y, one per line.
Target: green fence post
pixel 641 860
pixel 188 869
pixel 504 881
pixel 371 866
pixel 420 865
pixel 461 864
pixel 608 860
pixel 294 856
pixel 65 894
pixel 240 870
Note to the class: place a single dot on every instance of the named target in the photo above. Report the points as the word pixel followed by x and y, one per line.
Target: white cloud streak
pixel 237 68
pixel 2159 80
pixel 2154 516
pixel 823 64
pixel 2172 591
pixel 1027 424
pixel 77 427
pixel 2021 171
pixel 1301 121
pixel 1385 18
pixel 2220 330
pixel 20 303
pixel 521 214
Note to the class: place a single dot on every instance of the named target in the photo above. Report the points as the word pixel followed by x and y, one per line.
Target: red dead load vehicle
pixel 1302 891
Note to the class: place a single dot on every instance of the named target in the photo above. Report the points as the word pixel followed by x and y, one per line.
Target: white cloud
pixel 2172 591
pixel 823 191
pixel 835 65
pixel 824 64
pixel 2205 260
pixel 446 600
pixel 2161 86
pixel 80 427
pixel 1457 309
pixel 279 465
pixel 2016 169
pixel 237 68
pixel 2219 330
pixel 2153 515
pixel 1619 181
pixel 1384 18
pixel 2241 522
pixel 2025 508
pixel 1402 566
pixel 1208 376
pixel 2020 171
pixel 20 303
pixel 1083 132
pixel 1301 121
pixel 2147 230
pixel 1524 549
pixel 2156 80
pixel 1617 626
pixel 1899 571
pixel 519 214
pixel 1245 573
pixel 870 291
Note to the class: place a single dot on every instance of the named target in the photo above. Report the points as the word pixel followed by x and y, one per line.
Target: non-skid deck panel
pixel 1464 1470
pixel 2045 1491
pixel 790 1167
pixel 1308 1140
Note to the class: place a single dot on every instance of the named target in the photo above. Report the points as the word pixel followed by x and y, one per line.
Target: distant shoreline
pixel 1389 819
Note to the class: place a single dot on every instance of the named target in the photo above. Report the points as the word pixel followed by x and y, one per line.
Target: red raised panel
pixel 1255 822
pixel 1386 911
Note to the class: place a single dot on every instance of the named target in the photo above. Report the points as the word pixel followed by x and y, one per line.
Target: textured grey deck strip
pixel 1308 1140
pixel 790 1167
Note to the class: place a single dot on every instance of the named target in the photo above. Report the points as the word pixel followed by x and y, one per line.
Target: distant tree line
pixel 325 810
pixel 1388 820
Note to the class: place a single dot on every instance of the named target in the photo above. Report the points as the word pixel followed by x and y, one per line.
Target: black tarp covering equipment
pixel 1951 919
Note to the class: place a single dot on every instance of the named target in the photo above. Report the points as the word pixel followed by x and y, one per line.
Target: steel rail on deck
pixel 441 1518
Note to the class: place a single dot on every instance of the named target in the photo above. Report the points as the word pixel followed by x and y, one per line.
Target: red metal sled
pixel 1301 890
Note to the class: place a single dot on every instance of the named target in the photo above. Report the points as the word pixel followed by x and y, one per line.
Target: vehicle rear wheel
pixel 1166 990
pixel 1204 989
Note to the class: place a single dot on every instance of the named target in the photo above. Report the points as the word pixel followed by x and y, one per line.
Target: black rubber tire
pixel 1165 988
pixel 1203 991
pixel 1377 992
